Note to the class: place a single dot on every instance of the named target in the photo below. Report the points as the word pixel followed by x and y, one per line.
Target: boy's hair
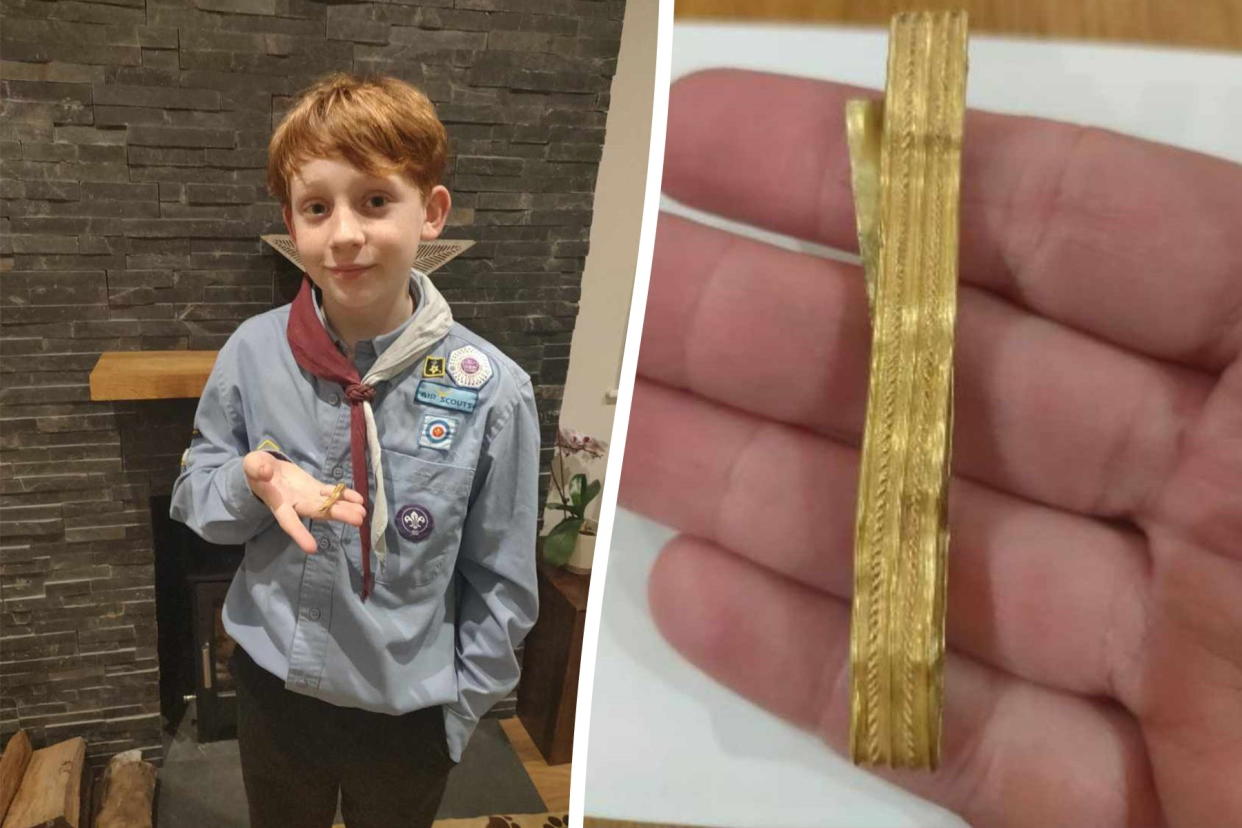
pixel 377 123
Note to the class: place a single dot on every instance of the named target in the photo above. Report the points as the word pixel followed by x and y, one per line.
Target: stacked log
pixel 12 768
pixel 50 792
pixel 44 788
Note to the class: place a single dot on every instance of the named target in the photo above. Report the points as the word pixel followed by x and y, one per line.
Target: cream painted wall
pixel 608 275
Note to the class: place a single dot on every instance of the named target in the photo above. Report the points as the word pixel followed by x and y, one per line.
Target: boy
pixel 377 620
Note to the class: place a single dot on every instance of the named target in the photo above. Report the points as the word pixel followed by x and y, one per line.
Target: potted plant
pixel 575 496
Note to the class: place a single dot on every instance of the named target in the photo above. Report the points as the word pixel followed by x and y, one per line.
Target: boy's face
pixel 357 234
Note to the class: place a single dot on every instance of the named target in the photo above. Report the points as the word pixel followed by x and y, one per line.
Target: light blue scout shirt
pixel 457 592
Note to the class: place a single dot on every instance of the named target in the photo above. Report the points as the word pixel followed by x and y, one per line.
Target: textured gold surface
pixel 906 159
pixel 333 497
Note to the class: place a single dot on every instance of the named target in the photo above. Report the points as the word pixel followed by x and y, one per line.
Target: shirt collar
pixel 381 342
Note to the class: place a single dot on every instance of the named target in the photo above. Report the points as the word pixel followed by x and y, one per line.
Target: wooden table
pixel 1212 24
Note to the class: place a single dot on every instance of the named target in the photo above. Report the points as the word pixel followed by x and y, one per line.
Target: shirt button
pixel 335 399
pixel 313 613
pixel 338 472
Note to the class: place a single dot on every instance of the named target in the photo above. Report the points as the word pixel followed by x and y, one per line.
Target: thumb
pixel 260 467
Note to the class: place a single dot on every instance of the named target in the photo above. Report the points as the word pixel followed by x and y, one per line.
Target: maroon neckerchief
pixel 315 352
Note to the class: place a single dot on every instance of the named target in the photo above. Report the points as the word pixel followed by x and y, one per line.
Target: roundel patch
pixel 414 522
pixel 469 367
pixel 437 431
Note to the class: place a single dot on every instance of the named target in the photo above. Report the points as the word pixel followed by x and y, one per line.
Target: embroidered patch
pixel 469 367
pixel 414 522
pixel 446 396
pixel 433 367
pixel 437 431
pixel 269 444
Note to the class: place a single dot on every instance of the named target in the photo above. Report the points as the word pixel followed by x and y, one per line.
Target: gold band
pixel 337 491
pixel 906 158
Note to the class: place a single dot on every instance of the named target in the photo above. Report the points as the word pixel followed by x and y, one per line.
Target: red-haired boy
pixel 379 462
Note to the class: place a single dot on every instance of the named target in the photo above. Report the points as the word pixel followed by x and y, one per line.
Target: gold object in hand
pixel 906 159
pixel 337 491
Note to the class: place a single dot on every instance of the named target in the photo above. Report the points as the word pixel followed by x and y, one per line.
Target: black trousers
pixel 298 752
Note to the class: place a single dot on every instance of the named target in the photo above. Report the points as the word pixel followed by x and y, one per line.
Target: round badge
pixel 469 367
pixel 414 522
pixel 437 432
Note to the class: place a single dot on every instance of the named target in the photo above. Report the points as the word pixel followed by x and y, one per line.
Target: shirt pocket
pixel 427 507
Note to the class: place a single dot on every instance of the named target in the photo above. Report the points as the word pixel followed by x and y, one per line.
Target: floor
pixel 552 781
pixel 502 772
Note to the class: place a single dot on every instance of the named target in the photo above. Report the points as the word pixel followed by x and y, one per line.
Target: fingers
pixel 1131 241
pixel 351 513
pixel 1014 754
pixel 289 520
pixel 1049 596
pixel 1041 411
pixel 291 502
pixel 348 509
pixel 347 494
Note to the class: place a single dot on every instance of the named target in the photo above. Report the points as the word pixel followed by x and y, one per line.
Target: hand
pixel 293 494
pixel 1095 571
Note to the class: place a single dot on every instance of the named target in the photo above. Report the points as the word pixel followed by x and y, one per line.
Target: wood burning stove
pixel 191 579
pixel 214 692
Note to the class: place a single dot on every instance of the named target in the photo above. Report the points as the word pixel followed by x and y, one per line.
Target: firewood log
pixel 12 767
pixel 129 790
pixel 50 795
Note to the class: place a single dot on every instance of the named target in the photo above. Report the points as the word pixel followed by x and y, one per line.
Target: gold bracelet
pixel 337 491
pixel 905 154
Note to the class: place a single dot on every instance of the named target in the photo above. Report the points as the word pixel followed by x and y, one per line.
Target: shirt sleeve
pixel 211 494
pixel 498 594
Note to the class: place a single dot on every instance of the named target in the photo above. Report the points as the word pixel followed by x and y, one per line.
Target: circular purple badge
pixel 470 365
pixel 414 522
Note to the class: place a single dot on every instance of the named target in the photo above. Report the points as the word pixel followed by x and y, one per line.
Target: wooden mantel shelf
pixel 151 375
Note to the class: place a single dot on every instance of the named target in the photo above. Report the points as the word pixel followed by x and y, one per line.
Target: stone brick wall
pixel 133 139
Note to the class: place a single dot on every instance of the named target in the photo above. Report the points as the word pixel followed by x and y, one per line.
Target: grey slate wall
pixel 133 140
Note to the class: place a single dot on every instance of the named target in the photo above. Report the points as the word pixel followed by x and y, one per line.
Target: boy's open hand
pixel 293 494
pixel 1095 576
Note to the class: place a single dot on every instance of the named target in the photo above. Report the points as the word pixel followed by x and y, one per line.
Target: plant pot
pixel 584 552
